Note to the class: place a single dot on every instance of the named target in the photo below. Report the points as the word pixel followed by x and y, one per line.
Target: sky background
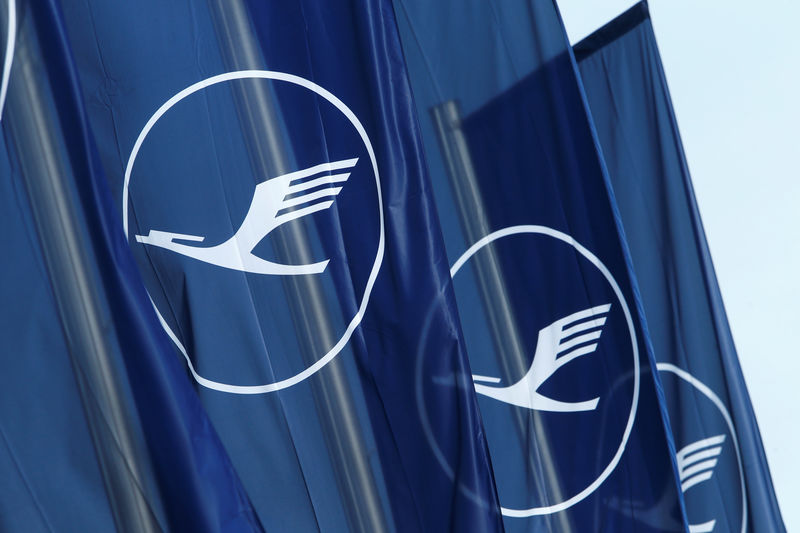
pixel 732 69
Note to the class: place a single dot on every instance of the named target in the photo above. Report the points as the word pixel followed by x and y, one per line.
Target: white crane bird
pixel 268 210
pixel 559 343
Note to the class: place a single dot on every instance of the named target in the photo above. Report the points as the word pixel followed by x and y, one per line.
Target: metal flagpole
pixel 271 156
pixel 32 121
pixel 492 286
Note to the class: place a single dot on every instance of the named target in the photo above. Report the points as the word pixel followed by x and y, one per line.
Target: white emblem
pixel 275 202
pixel 270 208
pixel 9 57
pixel 696 462
pixel 559 343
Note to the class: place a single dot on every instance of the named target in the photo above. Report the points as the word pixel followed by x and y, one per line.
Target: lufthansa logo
pixel 293 197
pixel 698 459
pixel 575 328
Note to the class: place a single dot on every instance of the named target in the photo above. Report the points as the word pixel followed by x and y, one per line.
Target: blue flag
pixel 268 177
pixel 557 344
pixel 99 429
pixel 723 469
pixel 45 445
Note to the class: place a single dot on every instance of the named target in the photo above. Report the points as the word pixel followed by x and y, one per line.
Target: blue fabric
pixel 333 443
pixel 52 481
pixel 46 453
pixel 631 107
pixel 516 165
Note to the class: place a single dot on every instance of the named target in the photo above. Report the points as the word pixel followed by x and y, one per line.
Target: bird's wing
pixel 574 335
pixel 309 190
pixel 697 460
pixel 559 343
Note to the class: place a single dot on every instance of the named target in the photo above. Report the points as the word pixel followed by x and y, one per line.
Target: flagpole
pixel 492 286
pixel 32 121
pixel 271 155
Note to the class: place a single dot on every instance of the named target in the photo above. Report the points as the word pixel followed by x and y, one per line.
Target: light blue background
pixel 732 69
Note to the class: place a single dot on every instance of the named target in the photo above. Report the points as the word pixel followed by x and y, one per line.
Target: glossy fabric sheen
pixel 519 163
pixel 630 103
pixel 52 481
pixel 349 447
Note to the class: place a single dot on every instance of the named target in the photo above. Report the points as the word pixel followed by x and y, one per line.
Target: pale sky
pixel 732 69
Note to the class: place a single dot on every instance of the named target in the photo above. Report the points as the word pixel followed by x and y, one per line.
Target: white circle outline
pixel 544 230
pixel 708 393
pixel 356 320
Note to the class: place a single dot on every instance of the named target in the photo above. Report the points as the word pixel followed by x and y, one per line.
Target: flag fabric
pixel 100 429
pixel 267 176
pixel 557 343
pixel 229 306
pixel 723 468
pixel 45 446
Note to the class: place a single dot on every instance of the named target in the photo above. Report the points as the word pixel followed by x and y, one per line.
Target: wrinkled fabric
pixel 709 406
pixel 45 448
pixel 557 342
pixel 51 456
pixel 310 371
